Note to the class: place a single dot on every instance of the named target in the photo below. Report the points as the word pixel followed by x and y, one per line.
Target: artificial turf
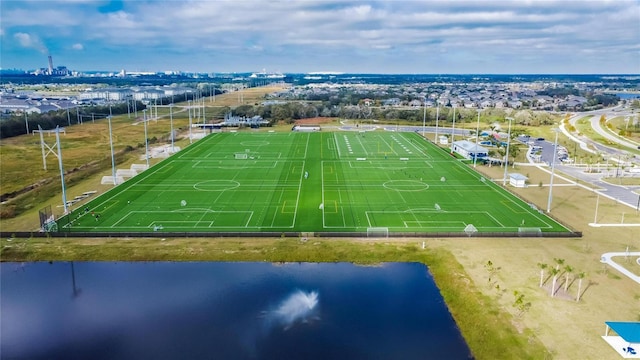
pixel 309 182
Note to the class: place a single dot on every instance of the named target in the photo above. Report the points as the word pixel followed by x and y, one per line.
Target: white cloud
pixel 30 41
pixel 340 30
pixel 77 46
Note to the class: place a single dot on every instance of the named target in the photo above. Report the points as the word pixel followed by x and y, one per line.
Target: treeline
pixel 24 124
pixel 291 111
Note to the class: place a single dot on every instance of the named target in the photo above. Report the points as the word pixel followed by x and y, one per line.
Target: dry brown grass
pixel 21 156
pixel 569 329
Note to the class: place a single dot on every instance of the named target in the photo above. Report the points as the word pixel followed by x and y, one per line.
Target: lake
pixel 197 310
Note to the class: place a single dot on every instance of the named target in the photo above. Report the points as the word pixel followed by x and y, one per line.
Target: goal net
pixel 242 156
pixel 108 180
pixel 529 231
pixel 47 219
pixel 378 232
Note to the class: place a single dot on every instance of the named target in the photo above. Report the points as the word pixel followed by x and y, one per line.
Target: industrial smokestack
pixel 50 65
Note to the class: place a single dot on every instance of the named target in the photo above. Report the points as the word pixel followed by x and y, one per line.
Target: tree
pixel 567 270
pixel 520 304
pixel 554 273
pixel 492 270
pixel 580 276
pixel 542 266
pixel 513 152
pixel 559 262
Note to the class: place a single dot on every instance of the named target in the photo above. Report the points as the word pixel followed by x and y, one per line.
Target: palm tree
pixel 559 262
pixel 580 276
pixel 555 273
pixel 567 270
pixel 542 266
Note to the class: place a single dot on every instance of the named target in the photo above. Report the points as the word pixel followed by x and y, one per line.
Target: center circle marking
pixel 405 185
pixel 216 185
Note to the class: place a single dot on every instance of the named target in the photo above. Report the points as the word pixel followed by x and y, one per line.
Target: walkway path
pixel 607 259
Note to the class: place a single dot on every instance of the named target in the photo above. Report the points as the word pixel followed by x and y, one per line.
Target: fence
pixel 287 234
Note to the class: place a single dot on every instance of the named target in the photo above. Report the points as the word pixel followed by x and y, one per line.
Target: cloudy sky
pixel 485 37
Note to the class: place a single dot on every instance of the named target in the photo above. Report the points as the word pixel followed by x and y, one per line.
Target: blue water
pixel 100 310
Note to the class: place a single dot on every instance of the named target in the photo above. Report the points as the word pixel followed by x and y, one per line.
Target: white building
pixel 469 150
pixel 517 180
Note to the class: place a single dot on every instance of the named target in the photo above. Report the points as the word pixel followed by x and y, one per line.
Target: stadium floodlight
pixel 475 155
pixel 204 111
pixel 453 128
pixel 506 154
pixel 146 138
pixel 553 167
pixel 171 119
pixel 189 109
pixel 424 116
pixel 64 191
pixel 113 160
pixel 435 139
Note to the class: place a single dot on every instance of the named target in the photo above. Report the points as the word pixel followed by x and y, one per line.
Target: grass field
pixel 309 182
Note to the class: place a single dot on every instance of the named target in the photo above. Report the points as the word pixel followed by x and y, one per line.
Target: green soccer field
pixel 309 182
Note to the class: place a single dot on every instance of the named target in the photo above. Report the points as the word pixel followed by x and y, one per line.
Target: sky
pixel 300 36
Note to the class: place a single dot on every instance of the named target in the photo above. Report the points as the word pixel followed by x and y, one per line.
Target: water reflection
pixel 225 311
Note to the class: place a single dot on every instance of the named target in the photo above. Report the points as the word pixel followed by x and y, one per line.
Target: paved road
pixel 623 194
pixel 589 145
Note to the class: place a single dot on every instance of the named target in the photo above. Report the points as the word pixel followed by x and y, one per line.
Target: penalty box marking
pixel 171 215
pixel 411 212
pixel 389 164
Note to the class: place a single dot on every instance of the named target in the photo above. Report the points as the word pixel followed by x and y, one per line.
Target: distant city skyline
pixel 463 37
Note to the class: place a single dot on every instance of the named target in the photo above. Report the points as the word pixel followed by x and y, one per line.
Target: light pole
pixel 453 128
pixel 435 139
pixel 424 117
pixel 506 155
pixel 146 139
pixel 475 157
pixel 26 122
pixel 171 119
pixel 190 137
pixel 553 168
pixel 595 217
pixel 204 111
pixel 113 161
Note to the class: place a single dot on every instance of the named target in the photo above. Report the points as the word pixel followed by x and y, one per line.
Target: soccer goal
pixel 242 156
pixel 108 180
pixel 378 232
pixel 47 219
pixel 529 232
pixel 470 230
